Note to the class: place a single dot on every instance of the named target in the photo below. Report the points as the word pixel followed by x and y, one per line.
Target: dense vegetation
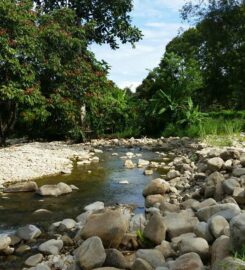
pixel 49 78
pixel 202 70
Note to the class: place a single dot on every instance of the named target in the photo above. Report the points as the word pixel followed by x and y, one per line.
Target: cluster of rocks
pixel 193 220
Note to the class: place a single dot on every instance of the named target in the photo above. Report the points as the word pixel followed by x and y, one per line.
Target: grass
pixel 240 254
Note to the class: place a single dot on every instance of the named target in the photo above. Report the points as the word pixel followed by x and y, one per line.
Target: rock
pixel 40 267
pixel 153 256
pixel 137 222
pixel 215 164
pixel 109 225
pixel 51 247
pixel 67 224
pixel 73 187
pixel 189 261
pixel 155 230
pixel 21 187
pixel 5 241
pixel 229 263
pixel 28 232
pixel 129 164
pixel 34 260
pixel 14 239
pixel 228 165
pixel 242 159
pixel 229 185
pixel 205 203
pixel 124 182
pixel 239 195
pixel 116 259
pixel 218 226
pixel 238 172
pixel 220 249
pixel 237 232
pixel 130 241
pixel 141 264
pixel 230 154
pixel 202 230
pixel 179 223
pixel 94 206
pixel 166 249
pixel 226 210
pixel 152 200
pixel 156 186
pixel 22 249
pixel 166 207
pixel 106 268
pixel 143 163
pixel 54 190
pixel 82 218
pixel 148 172
pixel 197 245
pixel 213 186
pixel 87 251
pixel 172 174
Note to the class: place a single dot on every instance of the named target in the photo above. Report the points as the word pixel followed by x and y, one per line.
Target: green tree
pixel 104 21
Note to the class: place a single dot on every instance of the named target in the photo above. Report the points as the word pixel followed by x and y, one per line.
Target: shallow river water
pixel 102 184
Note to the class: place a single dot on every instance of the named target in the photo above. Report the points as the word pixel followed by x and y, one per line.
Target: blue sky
pixel 159 21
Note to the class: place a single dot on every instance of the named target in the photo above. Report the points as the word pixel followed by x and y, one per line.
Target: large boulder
pixel 237 232
pixel 91 253
pixel 28 232
pixel 155 229
pixel 54 190
pixel 156 186
pixel 188 261
pixel 110 225
pixel 179 223
pixel 227 210
pixel 21 187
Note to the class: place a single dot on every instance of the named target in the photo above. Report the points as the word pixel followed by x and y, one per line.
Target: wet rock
pixel 109 225
pixel 155 229
pixel 143 163
pixel 21 187
pixel 197 245
pixel 156 186
pixel 34 260
pixel 237 232
pixel 218 226
pixel 54 190
pixel 153 256
pixel 51 247
pixel 129 164
pixel 148 172
pixel 87 251
pixel 215 164
pixel 22 249
pixel 220 249
pixel 229 185
pixel 189 261
pixel 28 232
pixel 5 241
pixel 116 259
pixel 141 264
pixel 67 224
pixel 227 210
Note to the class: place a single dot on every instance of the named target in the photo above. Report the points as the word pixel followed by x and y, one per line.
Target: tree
pixel 104 21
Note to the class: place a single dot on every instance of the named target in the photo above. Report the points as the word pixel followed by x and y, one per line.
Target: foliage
pixel 240 254
pixel 103 21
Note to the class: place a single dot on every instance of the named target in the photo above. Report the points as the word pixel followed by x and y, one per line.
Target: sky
pixel 160 21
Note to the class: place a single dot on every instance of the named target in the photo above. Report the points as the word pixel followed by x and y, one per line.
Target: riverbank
pixel 194 215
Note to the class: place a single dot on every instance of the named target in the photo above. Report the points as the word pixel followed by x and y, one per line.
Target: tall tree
pixel 104 21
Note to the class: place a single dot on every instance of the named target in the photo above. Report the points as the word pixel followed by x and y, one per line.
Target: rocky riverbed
pixel 194 216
